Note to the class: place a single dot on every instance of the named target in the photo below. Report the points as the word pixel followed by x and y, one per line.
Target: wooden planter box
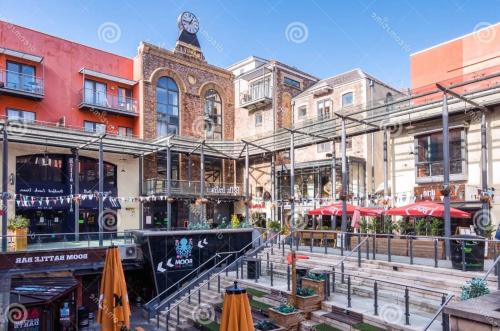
pixel 425 248
pixel 307 304
pixel 317 285
pixel 20 240
pixel 289 321
pixel 398 246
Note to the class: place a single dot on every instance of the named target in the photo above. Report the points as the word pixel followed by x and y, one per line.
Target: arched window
pixel 213 115
pixel 388 99
pixel 167 107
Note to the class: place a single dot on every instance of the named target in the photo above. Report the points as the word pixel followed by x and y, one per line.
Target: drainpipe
pixel 5 179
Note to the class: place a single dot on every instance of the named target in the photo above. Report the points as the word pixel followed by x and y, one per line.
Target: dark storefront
pixel 43 304
pixel 45 187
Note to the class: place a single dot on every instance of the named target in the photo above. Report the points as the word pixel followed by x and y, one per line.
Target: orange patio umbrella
pixel 114 308
pixel 236 312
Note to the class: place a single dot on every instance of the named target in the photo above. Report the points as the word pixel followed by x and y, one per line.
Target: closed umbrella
pixel 114 308
pixel 426 208
pixel 236 312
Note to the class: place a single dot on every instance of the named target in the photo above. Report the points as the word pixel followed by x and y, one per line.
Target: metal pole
pixel 76 192
pixel 386 166
pixel 292 186
pixel 273 187
pixel 141 191
pixel 169 188
pixel 334 182
pixel 5 179
pixel 484 171
pixel 446 176
pixel 202 181
pixel 247 185
pixel 101 192
pixel 344 184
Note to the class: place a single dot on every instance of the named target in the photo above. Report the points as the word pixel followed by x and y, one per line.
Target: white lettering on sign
pixel 225 190
pixel 52 258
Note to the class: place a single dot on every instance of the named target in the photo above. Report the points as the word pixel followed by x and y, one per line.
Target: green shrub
pixel 285 308
pixel 474 288
pixel 18 222
pixel 313 276
pixel 437 227
pixel 305 291
pixel 422 227
pixel 363 225
pixel 274 225
pixel 265 325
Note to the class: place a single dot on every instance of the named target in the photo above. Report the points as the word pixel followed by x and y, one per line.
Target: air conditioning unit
pixel 129 252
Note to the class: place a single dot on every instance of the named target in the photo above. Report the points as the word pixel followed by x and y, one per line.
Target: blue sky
pixel 318 36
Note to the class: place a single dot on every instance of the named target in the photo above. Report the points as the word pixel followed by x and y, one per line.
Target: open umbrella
pixel 336 210
pixel 426 208
pixel 114 308
pixel 236 313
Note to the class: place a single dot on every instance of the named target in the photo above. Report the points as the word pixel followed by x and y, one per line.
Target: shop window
pixel 213 115
pixel 39 168
pixel 429 153
pixel 167 107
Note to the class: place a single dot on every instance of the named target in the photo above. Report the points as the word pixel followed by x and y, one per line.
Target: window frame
pixel 299 115
pixel 95 125
pixel 129 132
pixel 457 176
pixel 217 128
pixel 293 83
pixel 323 103
pixel 21 119
pixel 258 123
pixel 320 148
pixel 351 93
pixel 167 120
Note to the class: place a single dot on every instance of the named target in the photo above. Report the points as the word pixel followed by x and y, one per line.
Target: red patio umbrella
pixel 336 210
pixel 426 208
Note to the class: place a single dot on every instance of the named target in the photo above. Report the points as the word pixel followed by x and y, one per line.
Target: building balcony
pixel 91 99
pixel 256 98
pixel 21 85
pixel 191 188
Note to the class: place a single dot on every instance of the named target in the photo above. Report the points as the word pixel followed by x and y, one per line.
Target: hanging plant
pixel 18 222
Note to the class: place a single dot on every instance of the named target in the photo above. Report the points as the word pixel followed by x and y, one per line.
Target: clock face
pixel 189 22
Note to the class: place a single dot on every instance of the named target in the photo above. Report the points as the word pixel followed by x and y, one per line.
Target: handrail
pixel 491 268
pixel 448 299
pixel 169 309
pixel 157 297
pixel 33 235
pixel 356 248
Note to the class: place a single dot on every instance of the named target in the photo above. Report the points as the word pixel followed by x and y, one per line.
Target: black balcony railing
pixel 109 102
pixel 184 187
pixel 21 83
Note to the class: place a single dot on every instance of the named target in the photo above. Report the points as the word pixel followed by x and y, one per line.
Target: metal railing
pixel 412 249
pixel 185 187
pixel 255 93
pixel 336 279
pixel 55 241
pixel 188 289
pixel 98 99
pixel 444 318
pixel 21 82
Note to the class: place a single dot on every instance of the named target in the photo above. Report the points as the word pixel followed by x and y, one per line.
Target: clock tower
pixel 187 42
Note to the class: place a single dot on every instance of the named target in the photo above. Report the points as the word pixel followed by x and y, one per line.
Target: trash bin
pixel 83 317
pixel 253 268
pixel 473 249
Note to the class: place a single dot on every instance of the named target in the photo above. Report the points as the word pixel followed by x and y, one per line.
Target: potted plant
pixel 307 299
pixel 267 325
pixel 274 227
pixel 286 316
pixel 18 226
pixel 474 288
pixel 235 221
pixel 436 227
pixel 315 281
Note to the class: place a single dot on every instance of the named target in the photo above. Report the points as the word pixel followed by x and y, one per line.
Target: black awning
pixel 37 291
pixel 93 203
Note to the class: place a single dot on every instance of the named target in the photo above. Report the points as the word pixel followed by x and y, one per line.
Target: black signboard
pixel 174 254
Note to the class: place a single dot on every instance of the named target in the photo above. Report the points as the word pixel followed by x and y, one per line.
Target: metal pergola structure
pixel 477 94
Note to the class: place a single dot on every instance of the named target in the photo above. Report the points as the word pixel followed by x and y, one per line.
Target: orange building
pixel 49 79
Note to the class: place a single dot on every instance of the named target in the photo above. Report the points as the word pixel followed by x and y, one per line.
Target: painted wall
pixel 62 61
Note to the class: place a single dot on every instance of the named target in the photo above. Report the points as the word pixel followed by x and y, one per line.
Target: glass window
pixel 302 111
pixel 213 115
pixel 40 168
pixel 95 93
pixel 324 109
pixel 347 99
pixel 125 132
pixel 291 82
pixel 324 147
pixel 258 119
pixel 94 127
pixel 429 155
pixel 260 89
pixel 21 115
pixel 167 107
pixel 21 77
